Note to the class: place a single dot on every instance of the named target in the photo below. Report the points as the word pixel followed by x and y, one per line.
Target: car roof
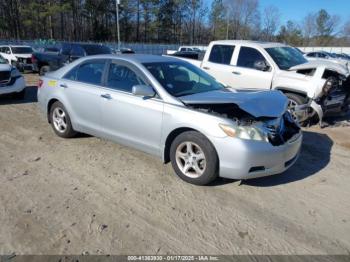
pixel 249 43
pixel 18 46
pixel 137 58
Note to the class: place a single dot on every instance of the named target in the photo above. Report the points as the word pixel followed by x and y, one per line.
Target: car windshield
pixel 22 50
pixel 286 57
pixel 96 49
pixel 180 78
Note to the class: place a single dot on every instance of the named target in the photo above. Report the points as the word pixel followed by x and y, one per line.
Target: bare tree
pixel 270 22
pixel 309 28
pixel 243 16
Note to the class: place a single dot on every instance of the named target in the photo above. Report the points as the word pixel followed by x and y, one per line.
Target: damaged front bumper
pixel 331 104
pixel 246 159
pixel 327 105
pixel 24 64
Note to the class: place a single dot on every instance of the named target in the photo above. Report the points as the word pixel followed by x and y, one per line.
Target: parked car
pixel 18 55
pixel 326 56
pixel 123 51
pixel 176 111
pixel 11 80
pixel 68 52
pixel 185 50
pixel 317 87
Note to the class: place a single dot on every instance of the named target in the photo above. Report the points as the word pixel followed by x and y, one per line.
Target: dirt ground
pixel 88 195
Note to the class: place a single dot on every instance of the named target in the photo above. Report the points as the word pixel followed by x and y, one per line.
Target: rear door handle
pixel 64 85
pixel 236 73
pixel 206 68
pixel 107 96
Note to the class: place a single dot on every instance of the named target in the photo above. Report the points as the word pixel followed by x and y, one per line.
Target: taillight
pixel 40 84
pixel 33 58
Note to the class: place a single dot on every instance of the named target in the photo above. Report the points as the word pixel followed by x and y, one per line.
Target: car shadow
pixel 29 97
pixel 337 120
pixel 314 156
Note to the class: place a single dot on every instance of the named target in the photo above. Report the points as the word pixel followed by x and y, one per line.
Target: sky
pixel 296 10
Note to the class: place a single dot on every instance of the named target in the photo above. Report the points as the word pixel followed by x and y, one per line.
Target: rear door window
pixel 248 57
pixel 89 72
pixel 221 54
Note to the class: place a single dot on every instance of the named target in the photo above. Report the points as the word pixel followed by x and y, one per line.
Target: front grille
pixel 5 77
pixel 24 60
pixel 282 129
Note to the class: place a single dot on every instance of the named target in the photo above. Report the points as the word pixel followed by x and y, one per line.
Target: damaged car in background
pixel 11 80
pixel 313 88
pixel 176 111
pixel 332 94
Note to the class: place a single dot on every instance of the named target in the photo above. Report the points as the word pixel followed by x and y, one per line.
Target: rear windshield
pixel 96 49
pixel 22 50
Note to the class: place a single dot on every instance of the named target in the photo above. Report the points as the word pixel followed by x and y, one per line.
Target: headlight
pixel 15 73
pixel 244 132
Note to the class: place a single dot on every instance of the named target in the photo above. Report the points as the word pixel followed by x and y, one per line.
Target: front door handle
pixel 206 68
pixel 64 85
pixel 107 96
pixel 236 72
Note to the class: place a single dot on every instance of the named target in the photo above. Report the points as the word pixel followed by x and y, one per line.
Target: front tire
pixel 194 158
pixel 60 121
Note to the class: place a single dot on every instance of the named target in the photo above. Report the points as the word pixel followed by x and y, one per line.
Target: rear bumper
pixel 246 159
pixel 16 87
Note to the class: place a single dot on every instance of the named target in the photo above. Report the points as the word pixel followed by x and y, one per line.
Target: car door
pixel 82 94
pixel 131 120
pixel 248 72
pixel 218 64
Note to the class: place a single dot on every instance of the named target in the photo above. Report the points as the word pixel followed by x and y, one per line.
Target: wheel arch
pixel 171 137
pixel 48 108
pixel 293 91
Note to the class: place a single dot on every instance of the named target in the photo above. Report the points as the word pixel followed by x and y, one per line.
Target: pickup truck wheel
pixel 43 70
pixel 194 158
pixel 60 121
pixel 293 101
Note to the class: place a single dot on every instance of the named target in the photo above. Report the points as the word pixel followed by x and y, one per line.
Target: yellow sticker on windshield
pixel 52 83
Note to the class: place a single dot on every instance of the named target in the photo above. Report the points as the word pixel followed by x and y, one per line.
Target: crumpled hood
pixel 5 67
pixel 257 104
pixel 339 68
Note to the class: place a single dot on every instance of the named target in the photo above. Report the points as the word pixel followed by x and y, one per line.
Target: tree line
pixel 165 21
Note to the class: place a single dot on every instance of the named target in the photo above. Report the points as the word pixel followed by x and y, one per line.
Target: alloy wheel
pixel 59 119
pixel 190 159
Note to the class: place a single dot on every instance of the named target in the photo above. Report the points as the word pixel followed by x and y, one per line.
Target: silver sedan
pixel 169 108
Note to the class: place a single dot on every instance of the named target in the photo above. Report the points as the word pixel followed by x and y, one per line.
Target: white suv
pixel 18 55
pixel 11 80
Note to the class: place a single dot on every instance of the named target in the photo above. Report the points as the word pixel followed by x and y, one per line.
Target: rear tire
pixel 60 121
pixel 194 158
pixel 44 69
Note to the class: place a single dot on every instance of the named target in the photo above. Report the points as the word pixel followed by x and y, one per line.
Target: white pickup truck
pixel 317 87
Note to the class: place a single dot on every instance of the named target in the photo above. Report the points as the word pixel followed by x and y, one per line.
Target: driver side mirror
pixel 143 90
pixel 261 65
